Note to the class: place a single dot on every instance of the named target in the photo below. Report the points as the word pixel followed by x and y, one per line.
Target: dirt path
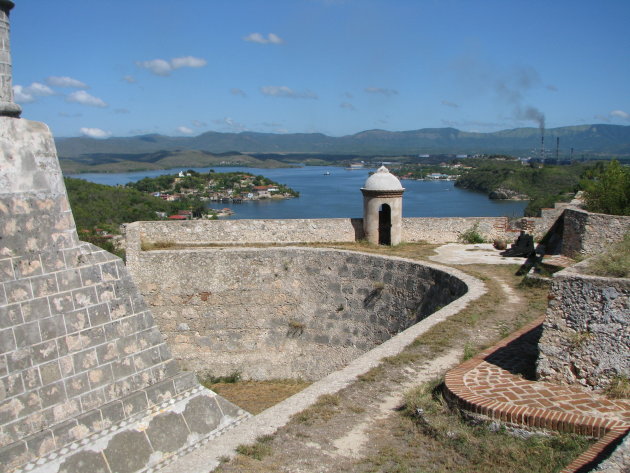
pixel 341 430
pixel 354 443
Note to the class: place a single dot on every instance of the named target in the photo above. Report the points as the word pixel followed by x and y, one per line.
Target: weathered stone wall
pixel 85 375
pixel 285 312
pixel 231 232
pixel 587 233
pixel 449 229
pixel 585 336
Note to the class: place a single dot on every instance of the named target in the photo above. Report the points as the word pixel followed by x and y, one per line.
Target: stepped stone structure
pixel 86 380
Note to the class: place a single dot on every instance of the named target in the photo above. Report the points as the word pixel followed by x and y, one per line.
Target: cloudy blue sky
pixel 128 67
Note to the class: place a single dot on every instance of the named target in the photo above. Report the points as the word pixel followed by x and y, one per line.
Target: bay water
pixel 334 192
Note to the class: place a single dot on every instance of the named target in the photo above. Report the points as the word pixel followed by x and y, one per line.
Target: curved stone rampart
pixel 285 312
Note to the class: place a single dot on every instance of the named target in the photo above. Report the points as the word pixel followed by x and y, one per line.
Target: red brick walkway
pixel 495 384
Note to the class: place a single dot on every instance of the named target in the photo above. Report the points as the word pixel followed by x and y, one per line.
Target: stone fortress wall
pixel 586 337
pixel 587 233
pixel 287 231
pixel 87 382
pixel 285 312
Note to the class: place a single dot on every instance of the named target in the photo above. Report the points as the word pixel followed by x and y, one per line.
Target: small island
pixel 200 188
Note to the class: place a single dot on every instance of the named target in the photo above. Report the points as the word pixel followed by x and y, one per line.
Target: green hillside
pixel 128 162
pixel 592 140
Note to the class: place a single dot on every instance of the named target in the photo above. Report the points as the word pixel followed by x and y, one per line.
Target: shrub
pixel 472 235
pixel 609 190
pixel 258 450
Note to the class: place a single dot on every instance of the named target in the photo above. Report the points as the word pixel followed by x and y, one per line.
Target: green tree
pixel 608 190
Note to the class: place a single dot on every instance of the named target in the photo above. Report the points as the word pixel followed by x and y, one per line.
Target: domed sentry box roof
pixel 382 181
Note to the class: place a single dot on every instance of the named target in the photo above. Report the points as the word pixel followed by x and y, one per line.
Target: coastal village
pixel 198 189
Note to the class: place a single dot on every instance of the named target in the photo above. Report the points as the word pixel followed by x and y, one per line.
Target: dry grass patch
pixel 613 263
pixel 256 396
pixel 619 388
pixel 156 245
pixel 324 409
pixel 430 437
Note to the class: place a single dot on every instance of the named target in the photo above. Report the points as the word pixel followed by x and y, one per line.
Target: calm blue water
pixel 338 195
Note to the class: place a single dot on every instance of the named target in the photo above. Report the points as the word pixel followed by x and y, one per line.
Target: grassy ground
pixel 422 434
pixel 256 396
pixel 613 263
pixel 428 436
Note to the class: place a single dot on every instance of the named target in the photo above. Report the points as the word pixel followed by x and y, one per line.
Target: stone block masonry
pixel 234 232
pixel 87 382
pixel 587 233
pixel 285 312
pixel 585 339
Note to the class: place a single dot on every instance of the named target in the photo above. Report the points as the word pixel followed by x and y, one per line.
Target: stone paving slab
pixel 495 384
pixel 480 253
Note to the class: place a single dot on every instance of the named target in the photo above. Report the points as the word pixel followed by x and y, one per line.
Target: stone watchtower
pixel 382 208
pixel 7 107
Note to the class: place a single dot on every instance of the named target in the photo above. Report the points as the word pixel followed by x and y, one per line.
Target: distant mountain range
pixel 613 140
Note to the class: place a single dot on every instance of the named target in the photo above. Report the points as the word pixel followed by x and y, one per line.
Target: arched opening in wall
pixel 385 225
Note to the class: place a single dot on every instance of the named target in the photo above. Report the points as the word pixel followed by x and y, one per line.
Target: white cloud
pixel 21 96
pixel 95 133
pixel 159 67
pixel 240 92
pixel 65 81
pixel 184 130
pixel 620 114
pixel 199 123
pixel 230 124
pixel 83 98
pixel 129 79
pixel 260 39
pixel 382 91
pixel 39 90
pixel 30 93
pixel 188 61
pixel 162 67
pixel 347 106
pixel 284 91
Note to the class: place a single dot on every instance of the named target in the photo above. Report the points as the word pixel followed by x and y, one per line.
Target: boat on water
pixel 354 166
pixel 327 173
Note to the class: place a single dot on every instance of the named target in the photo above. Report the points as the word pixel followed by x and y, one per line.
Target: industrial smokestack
pixel 542 145
pixel 557 147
